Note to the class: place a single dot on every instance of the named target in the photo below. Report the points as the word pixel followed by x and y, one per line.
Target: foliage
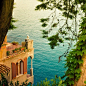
pixel 70 9
pixel 23 84
pixel 8 53
pixel 15 43
pixel 12 26
pixel 85 82
pixel 3 81
pixel 74 58
pixel 17 83
pixel 3 45
pixel 19 49
pixel 52 82
pixel 13 20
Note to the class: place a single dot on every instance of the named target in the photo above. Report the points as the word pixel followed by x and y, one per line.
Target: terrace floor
pixel 10 47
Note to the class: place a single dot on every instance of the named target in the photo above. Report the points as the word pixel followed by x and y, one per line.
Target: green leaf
pixel 44 25
pixel 71 16
pixel 44 36
pixel 64 32
pixel 59 7
pixel 60 40
pixel 84 51
pixel 42 6
pixel 54 25
pixel 85 82
pixel 41 0
pixel 78 70
pixel 79 53
pixel 44 20
pixel 71 82
pixel 67 38
pixel 80 61
pixel 83 37
pixel 77 76
pixel 71 76
pixel 44 32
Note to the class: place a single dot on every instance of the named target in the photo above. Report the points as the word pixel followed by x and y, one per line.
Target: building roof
pixel 4 68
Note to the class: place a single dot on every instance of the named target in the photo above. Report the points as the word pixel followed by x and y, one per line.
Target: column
pixel 18 68
pixel 31 69
pixel 31 63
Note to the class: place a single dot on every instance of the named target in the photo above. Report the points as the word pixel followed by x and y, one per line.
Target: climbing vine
pixel 70 9
pixel 74 58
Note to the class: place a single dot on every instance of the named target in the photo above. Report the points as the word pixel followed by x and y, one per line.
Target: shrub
pixel 15 43
pixel 8 53
pixel 3 44
pixel 53 82
pixel 19 49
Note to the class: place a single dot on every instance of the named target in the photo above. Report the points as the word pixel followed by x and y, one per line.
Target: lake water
pixel 45 62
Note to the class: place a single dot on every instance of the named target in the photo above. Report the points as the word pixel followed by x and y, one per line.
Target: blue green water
pixel 45 62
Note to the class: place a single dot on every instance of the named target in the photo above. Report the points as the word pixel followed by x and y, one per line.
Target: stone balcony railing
pixel 23 77
pixel 9 50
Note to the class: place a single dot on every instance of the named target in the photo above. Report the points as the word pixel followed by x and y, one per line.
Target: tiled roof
pixel 4 68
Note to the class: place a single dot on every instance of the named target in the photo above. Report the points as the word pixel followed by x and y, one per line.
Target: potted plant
pixel 22 48
pixel 8 53
pixel 17 49
pixel 14 51
pixel 15 43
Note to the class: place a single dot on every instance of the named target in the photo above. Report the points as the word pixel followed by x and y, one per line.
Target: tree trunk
pixel 6 7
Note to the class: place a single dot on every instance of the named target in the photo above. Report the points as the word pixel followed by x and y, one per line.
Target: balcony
pixel 13 50
pixel 9 50
pixel 23 77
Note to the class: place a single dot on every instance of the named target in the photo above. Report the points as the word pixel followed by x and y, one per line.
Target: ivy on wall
pixel 74 58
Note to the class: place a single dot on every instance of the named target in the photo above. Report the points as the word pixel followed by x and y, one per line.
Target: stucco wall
pixel 15 59
pixel 3 52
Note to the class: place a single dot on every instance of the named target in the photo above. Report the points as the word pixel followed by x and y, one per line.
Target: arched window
pixel 17 68
pixel 21 67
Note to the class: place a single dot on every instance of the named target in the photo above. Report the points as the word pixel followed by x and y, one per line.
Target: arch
pixel 28 64
pixel 19 60
pixel 31 56
pixel 21 67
